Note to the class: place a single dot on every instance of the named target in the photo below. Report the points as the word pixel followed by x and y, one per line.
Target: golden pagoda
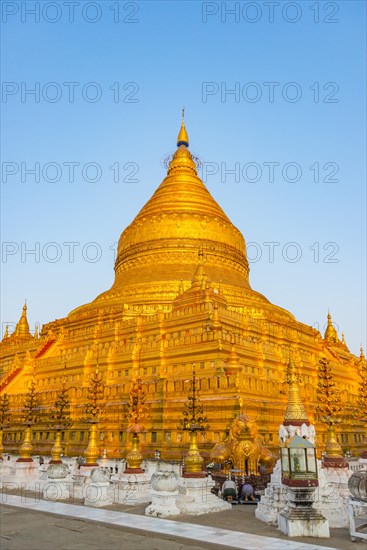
pixel 181 296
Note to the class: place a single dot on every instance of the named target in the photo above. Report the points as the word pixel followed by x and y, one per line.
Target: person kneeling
pixel 229 490
pixel 247 492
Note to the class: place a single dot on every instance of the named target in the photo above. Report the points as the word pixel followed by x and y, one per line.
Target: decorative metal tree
pixel 61 420
pixel 4 419
pixel 361 412
pixel 328 407
pixel 136 414
pixel 94 409
pixel 29 416
pixel 193 420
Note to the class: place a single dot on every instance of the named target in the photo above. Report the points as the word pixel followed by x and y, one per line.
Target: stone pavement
pixel 28 523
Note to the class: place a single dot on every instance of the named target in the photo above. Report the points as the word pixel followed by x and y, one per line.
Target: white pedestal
pixel 133 489
pixel 164 493
pixel 56 489
pixel 81 480
pixel 299 518
pixel 313 524
pixel 195 497
pixel 25 472
pixel 97 494
pixel 163 504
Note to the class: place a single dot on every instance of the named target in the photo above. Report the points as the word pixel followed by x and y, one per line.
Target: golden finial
pixel 232 364
pixel 215 323
pixel 295 411
pixel 291 372
pixel 6 333
pixel 183 138
pixel 22 328
pixel 362 353
pixel 199 274
pixel 330 333
pixel 36 333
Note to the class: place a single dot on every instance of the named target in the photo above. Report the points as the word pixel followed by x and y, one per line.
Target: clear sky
pixel 274 91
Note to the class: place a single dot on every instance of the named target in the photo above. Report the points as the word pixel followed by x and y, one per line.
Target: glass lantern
pixel 299 466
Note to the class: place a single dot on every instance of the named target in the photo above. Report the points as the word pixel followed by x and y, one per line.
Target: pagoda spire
pixel 22 328
pixel 295 413
pixel 199 274
pixel 215 322
pixel 233 364
pixel 330 333
pixel 183 138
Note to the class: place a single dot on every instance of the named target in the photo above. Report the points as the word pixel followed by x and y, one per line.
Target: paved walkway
pixel 155 531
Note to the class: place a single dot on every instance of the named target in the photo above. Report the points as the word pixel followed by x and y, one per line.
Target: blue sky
pixel 130 80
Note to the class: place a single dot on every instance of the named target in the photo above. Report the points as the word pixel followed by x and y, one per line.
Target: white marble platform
pixel 232 539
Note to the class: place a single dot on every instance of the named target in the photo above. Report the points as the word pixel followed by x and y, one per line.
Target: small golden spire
pixel 295 411
pixel 183 138
pixel 362 353
pixel 215 323
pixel 197 280
pixel 232 364
pixel 330 333
pixel 6 333
pixel 22 328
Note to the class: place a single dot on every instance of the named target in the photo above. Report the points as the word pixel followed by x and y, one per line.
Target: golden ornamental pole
pixel 193 420
pixel 194 461
pixel 334 454
pixel 26 448
pixel 136 413
pixel 332 448
pixel 92 452
pixel 56 449
pixel 134 458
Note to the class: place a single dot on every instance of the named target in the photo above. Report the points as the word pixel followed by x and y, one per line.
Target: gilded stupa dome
pixel 179 227
pixel 181 218
pixel 161 245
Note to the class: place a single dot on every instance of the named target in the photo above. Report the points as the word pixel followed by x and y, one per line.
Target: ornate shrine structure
pixel 181 296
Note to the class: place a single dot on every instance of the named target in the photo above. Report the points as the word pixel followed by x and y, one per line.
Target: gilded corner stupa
pixel 181 296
